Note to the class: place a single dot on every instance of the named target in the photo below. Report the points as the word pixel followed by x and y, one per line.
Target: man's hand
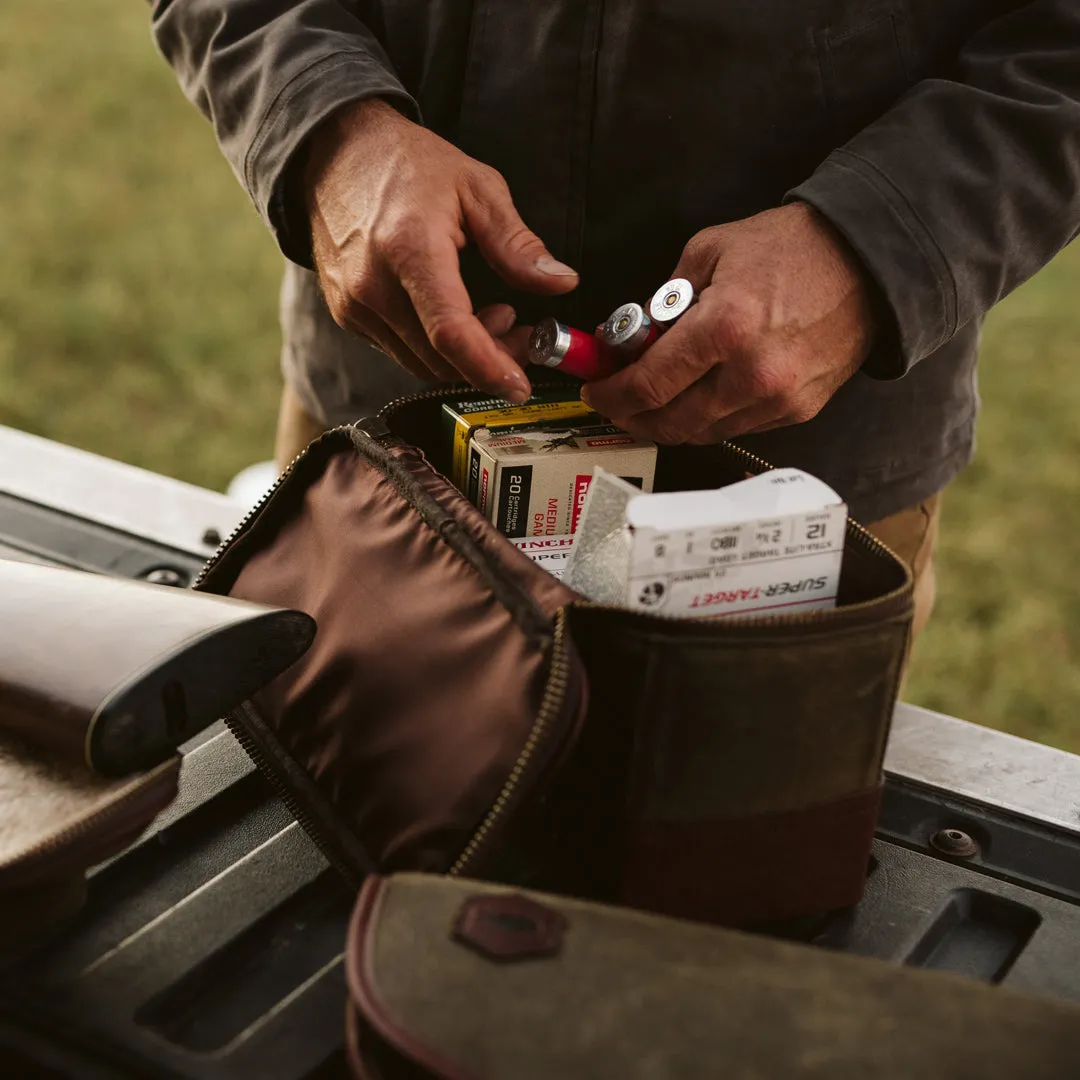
pixel 783 320
pixel 391 205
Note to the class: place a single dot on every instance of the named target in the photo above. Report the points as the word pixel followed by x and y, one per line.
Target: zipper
pixel 529 761
pixel 248 743
pixel 258 508
pixel 137 792
pixel 267 766
pixel 285 473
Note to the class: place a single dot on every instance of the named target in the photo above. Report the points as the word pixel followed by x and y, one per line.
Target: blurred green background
pixel 138 319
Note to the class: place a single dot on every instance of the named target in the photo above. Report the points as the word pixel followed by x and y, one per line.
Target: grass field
pixel 138 320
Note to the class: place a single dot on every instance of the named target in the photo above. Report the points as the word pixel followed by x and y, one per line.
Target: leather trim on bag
pixel 359 949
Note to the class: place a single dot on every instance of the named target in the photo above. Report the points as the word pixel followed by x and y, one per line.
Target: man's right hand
pixel 391 205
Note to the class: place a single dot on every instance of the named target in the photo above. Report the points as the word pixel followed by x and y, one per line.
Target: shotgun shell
pixel 671 300
pixel 630 330
pixel 555 345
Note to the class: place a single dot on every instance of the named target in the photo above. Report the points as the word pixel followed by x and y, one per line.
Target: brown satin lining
pixel 420 690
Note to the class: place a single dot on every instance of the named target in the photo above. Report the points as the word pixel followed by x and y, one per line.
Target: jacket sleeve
pixel 968 184
pixel 265 73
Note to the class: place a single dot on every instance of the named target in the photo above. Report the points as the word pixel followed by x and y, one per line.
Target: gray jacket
pixel 941 137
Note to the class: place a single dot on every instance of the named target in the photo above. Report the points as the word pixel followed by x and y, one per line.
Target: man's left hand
pixel 783 319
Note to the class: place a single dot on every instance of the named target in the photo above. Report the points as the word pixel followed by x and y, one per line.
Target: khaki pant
pixel 296 427
pixel 911 533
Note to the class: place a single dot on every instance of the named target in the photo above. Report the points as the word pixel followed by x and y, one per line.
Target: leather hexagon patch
pixel 509 927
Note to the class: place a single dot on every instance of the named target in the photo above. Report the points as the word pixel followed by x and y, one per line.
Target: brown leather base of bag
pixel 802 862
pixel 459 980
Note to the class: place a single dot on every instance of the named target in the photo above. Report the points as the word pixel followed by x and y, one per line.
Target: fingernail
pixel 547 265
pixel 586 396
pixel 498 321
pixel 507 323
pixel 517 390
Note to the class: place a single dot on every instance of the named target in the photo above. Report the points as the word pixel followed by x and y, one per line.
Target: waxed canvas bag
pixel 462 980
pixel 463 712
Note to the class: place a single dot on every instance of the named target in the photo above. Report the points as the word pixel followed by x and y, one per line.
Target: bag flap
pixel 455 979
pixel 440 683
pixel 59 818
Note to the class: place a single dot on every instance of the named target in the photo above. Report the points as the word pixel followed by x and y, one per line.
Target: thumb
pixel 512 249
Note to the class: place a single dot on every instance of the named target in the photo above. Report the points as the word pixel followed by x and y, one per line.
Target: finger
pixel 376 307
pixel 753 420
pixel 772 425
pixel 708 401
pixel 385 298
pixel 432 278
pixel 516 344
pixel 396 309
pixel 497 319
pixel 512 249
pixel 666 369
pixel 713 399
pixel 375 331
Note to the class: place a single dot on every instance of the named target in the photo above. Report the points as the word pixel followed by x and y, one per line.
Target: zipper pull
pixel 374 428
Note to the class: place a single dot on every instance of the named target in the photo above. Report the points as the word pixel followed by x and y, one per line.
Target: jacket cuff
pixel 302 104
pixel 915 286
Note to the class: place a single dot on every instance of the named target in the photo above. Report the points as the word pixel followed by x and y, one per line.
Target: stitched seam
pixel 470 91
pixel 278 105
pixel 581 157
pixel 920 238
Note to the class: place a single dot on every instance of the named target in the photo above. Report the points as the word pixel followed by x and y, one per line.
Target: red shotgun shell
pixel 555 345
pixel 671 300
pixel 630 330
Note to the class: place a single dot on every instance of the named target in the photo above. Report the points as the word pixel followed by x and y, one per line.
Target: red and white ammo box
pixel 534 483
